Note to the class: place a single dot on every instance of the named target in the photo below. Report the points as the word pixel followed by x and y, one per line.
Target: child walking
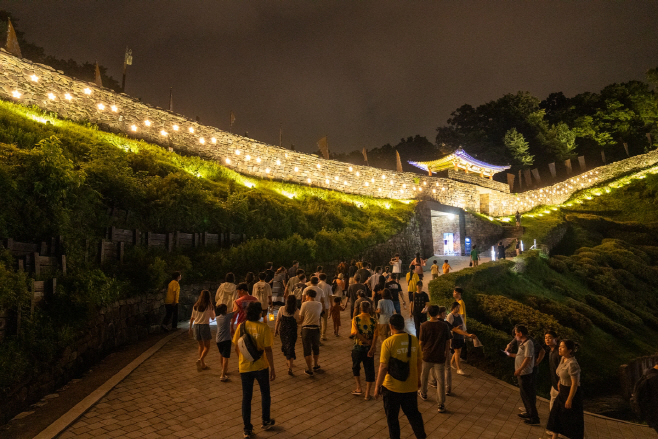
pixel 435 270
pixel 335 314
pixel 202 313
pixel 223 338
pixel 446 267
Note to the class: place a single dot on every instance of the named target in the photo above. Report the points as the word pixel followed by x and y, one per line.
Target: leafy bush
pixel 565 315
pixel 599 319
pixel 614 310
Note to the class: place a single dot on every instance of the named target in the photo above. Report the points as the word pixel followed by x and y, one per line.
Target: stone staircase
pixel 510 234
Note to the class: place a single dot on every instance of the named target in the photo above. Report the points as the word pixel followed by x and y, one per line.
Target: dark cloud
pixel 363 72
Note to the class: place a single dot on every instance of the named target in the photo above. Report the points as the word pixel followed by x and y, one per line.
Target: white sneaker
pixel 460 372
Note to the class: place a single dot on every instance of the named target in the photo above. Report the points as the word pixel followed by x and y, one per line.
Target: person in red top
pixel 241 304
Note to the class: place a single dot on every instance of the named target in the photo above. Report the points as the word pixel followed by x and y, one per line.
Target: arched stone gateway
pixel 451 231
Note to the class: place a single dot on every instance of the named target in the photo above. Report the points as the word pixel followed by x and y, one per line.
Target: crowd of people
pixel 409 361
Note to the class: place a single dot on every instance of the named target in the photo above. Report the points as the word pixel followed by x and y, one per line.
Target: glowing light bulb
pixel 433 191
pixel 258 160
pixel 358 173
pixel 404 186
pixel 296 169
pixel 101 107
pixel 308 180
pixel 114 108
pixel 237 152
pixel 34 78
pixel 175 127
pixel 336 178
pixel 326 181
pixel 133 127
pixel 367 184
pixel 87 91
pixel 16 94
pixel 247 157
pixel 202 140
pixel 228 161
pixel 213 140
pixel 318 166
pixel 383 177
pixel 424 183
pixel 163 132
pixel 267 170
pixel 379 190
pixel 51 96
pixel 147 123
pixel 350 168
pixel 67 97
pixel 191 130
pixel 278 162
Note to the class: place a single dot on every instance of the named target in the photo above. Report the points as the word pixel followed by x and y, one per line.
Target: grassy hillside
pixel 600 286
pixel 59 178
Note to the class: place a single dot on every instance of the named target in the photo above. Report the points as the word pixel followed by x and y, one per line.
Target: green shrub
pixel 612 309
pixel 599 319
pixel 565 315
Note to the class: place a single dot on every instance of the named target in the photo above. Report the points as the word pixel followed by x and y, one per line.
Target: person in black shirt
pixel 551 349
pixel 501 250
pixel 396 292
pixel 378 291
pixel 352 269
pixel 353 293
pixel 418 305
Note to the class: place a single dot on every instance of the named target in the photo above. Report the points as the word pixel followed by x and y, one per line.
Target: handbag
pixel 399 369
pixel 247 346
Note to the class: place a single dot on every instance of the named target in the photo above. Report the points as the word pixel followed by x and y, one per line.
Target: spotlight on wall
pixel 34 78
pixel 213 140
pixel 147 123
pixel 133 127
pixel 67 96
pixel 87 91
pixel 101 107
pixel 51 96
pixel 163 132
pixel 202 140
pixel 191 130
pixel 16 94
pixel 175 127
pixel 114 108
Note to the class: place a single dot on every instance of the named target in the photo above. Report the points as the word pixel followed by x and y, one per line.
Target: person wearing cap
pixel 261 370
pixel 242 302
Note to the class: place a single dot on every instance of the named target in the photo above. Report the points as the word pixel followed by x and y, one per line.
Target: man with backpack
pixel 252 339
pixel 398 380
pixel 263 291
pixel 645 397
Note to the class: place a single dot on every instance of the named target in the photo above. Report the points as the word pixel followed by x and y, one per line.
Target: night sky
pixel 365 73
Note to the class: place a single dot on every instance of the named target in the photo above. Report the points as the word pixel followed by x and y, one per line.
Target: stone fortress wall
pixel 35 84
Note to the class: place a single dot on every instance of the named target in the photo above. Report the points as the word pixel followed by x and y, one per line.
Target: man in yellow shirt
pixel 446 267
pixel 404 348
pixel 457 295
pixel 435 270
pixel 171 302
pixel 261 370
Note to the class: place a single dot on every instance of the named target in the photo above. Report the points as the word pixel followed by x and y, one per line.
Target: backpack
pixel 298 291
pixel 247 346
pixel 399 369
pixel 334 286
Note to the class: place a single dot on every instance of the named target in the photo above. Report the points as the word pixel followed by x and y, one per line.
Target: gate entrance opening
pixel 446 233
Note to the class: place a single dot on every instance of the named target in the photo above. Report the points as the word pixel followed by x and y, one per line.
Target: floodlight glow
pixel 133 127
pixel 175 127
pixel 67 97
pixel 318 166
pixel 16 94
pixel 228 161
pixel 350 169
pixel 267 170
pixel 51 96
pixel 147 123
pixel 202 140
pixel 296 169
pixel 308 180
pixel 278 162
pixel 358 174
pixel 114 108
pixel 258 160
pixel 87 91
pixel 213 140
pixel 191 130
pixel 247 157
pixel 163 132
pixel 34 78
pixel 101 107
pixel 237 152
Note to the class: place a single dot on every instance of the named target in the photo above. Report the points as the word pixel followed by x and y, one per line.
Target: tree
pixel 518 148
pixel 560 141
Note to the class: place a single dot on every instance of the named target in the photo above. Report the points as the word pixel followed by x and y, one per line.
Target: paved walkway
pixel 167 397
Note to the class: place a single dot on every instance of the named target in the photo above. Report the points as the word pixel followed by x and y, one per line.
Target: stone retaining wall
pixel 124 322
pixel 36 84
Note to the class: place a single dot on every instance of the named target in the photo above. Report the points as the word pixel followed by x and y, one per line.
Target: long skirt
pixel 288 336
pixel 567 422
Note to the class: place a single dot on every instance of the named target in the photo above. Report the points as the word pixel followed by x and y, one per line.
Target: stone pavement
pixel 167 397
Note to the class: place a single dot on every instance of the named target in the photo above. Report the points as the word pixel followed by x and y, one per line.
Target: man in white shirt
pixel 326 302
pixel 313 285
pixel 262 291
pixel 309 317
pixel 523 363
pixel 374 279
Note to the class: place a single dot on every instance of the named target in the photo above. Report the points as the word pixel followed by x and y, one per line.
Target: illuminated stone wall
pixel 36 84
